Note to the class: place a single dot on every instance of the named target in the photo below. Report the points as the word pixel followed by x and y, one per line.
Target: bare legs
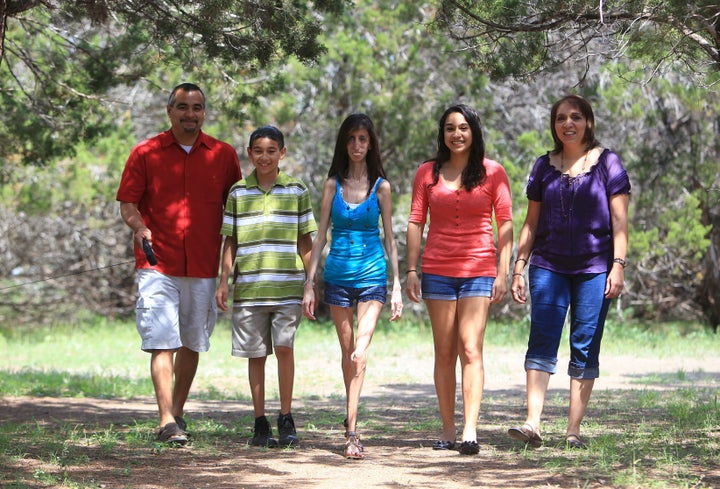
pixel 286 378
pixel 580 391
pixel 164 365
pixel 354 350
pixel 537 384
pixel 459 331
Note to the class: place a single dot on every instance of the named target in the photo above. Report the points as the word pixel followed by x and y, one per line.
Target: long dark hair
pixel 341 160
pixel 586 110
pixel 474 173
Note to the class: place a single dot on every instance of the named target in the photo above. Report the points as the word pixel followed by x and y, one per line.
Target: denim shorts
pixel 339 295
pixel 445 288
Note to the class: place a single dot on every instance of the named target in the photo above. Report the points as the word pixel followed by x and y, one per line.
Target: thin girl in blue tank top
pixel 356 257
pixel 355 195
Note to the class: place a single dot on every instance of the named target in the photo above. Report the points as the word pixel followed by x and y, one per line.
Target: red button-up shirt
pixel 460 240
pixel 181 197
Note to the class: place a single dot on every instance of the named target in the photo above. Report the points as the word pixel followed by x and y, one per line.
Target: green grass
pixel 646 436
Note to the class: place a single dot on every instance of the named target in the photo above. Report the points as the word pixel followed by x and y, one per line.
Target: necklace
pixel 562 162
pixel 568 181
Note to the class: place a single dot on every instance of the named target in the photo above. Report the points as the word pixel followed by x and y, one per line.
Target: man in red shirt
pixel 172 194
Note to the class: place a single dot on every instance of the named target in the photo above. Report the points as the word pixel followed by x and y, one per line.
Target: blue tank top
pixel 356 257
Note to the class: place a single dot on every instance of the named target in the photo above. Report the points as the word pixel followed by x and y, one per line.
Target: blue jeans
pixel 551 294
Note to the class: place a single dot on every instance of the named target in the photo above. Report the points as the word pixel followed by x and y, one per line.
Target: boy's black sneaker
pixel 262 433
pixel 286 427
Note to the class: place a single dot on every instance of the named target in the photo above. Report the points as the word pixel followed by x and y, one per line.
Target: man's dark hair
pixel 185 87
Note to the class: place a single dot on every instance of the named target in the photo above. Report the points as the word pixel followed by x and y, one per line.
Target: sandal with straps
pixel 357 438
pixel 353 448
pixel 526 434
pixel 573 441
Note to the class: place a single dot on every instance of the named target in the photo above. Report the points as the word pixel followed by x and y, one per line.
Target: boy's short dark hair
pixel 270 132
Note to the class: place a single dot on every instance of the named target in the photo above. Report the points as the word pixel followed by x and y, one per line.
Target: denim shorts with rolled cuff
pixel 339 295
pixel 444 288
pixel 552 294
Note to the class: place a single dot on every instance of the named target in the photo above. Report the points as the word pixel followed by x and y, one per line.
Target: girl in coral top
pixel 461 272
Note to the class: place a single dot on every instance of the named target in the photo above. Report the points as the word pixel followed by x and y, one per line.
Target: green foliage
pixel 43 117
pixel 678 230
pixel 62 60
pixel 518 157
pixel 685 231
pixel 515 38
pixel 87 179
pixel 669 143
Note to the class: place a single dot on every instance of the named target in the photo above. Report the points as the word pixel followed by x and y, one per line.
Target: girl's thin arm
pixel 309 299
pixel 384 195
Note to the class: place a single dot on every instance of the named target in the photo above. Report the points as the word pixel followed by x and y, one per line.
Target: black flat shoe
pixel 443 445
pixel 469 448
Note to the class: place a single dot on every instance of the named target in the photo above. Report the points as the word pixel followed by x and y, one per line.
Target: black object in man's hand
pixel 149 253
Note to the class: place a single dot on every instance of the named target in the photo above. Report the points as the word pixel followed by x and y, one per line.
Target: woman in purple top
pixel 575 237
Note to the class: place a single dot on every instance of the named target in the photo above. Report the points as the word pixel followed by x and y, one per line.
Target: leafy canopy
pixel 522 37
pixel 61 60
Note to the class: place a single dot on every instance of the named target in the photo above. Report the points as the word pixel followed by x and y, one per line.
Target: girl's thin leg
pixel 344 322
pixel 368 314
pixel 472 320
pixel 443 317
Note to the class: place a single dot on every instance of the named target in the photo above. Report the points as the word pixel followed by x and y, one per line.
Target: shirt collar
pixel 282 180
pixel 168 139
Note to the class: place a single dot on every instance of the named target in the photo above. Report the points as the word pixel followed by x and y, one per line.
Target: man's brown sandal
pixel 574 442
pixel 172 434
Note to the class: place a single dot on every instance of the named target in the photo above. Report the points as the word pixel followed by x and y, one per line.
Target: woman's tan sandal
pixel 526 434
pixel 353 447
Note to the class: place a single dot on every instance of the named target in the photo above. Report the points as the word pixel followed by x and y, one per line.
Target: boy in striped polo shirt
pixel 268 225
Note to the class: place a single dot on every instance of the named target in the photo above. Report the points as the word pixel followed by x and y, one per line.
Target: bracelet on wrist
pixel 524 260
pixel 620 261
pixel 410 271
pixel 518 274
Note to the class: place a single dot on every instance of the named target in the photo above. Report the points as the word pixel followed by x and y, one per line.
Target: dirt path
pixel 397 435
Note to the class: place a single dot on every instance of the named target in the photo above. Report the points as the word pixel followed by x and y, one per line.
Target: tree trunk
pixel 3 23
